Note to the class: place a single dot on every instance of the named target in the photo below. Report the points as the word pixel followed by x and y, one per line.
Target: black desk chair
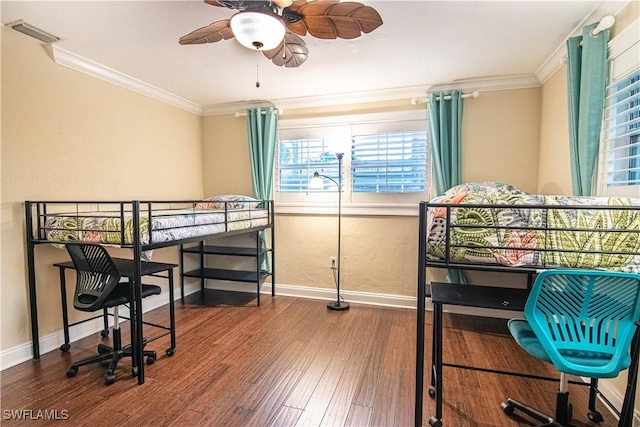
pixel 582 322
pixel 98 287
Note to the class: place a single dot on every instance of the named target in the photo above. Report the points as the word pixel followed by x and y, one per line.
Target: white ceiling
pixel 420 44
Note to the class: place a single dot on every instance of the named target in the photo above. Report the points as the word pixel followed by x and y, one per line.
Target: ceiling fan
pixel 274 26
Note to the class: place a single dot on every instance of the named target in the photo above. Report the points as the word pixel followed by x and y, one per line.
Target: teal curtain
pixel 445 131
pixel 262 128
pixel 586 87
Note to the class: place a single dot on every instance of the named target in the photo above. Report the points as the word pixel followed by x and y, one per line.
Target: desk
pixel 494 298
pixel 470 296
pixel 126 267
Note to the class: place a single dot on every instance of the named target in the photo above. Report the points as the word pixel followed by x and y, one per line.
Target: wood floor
pixel 290 362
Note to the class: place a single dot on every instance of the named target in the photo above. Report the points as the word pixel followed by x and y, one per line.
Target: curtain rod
pixel 244 113
pixel 605 23
pixel 416 101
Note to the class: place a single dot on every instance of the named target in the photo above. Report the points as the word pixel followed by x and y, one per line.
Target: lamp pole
pixel 339 305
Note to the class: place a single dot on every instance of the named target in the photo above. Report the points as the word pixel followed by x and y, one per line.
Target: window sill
pixel 368 209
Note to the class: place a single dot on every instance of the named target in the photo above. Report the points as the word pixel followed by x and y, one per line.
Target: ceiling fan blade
pixel 292 52
pixel 214 3
pixel 244 4
pixel 331 19
pixel 214 32
pixel 283 3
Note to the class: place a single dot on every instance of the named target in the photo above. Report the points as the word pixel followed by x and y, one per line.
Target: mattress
pixel 116 228
pixel 506 226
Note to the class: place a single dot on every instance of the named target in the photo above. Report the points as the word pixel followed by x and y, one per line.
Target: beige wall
pixel 501 133
pixel 554 168
pixel 69 136
pixel 225 156
pixel 379 253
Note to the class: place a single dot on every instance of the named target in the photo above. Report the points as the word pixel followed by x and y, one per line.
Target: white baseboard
pixel 22 353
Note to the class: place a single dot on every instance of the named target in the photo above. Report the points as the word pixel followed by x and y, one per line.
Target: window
pixel 384 162
pixel 389 162
pixel 619 167
pixel 299 158
pixel 623 132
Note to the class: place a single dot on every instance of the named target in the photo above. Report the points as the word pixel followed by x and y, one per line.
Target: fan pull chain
pixel 284 48
pixel 257 68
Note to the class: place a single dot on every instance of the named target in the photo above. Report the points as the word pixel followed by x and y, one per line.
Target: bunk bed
pixel 140 226
pixel 499 228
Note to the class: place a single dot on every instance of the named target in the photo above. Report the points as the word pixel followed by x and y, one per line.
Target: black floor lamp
pixel 316 182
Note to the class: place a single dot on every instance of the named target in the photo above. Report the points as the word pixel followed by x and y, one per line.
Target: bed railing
pixel 556 234
pixel 60 222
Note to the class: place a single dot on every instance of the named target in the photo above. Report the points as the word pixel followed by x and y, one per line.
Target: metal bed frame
pixel 424 263
pixel 37 212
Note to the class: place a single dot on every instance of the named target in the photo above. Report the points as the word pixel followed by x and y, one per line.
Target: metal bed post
pixel 259 259
pixel 136 306
pixel 33 304
pixel 182 273
pixel 272 217
pixel 420 315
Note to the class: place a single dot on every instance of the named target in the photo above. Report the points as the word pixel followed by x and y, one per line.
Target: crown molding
pixel 409 92
pixel 506 82
pixel 79 63
pixel 558 58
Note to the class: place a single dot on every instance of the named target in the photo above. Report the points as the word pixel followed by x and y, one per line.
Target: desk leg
pixel 437 368
pixel 138 327
pixel 172 314
pixel 65 315
pixel 626 416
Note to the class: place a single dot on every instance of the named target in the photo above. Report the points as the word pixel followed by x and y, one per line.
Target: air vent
pixel 32 31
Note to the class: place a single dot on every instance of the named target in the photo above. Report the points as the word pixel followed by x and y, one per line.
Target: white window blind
pixel 299 158
pixel 389 162
pixel 619 163
pixel 622 143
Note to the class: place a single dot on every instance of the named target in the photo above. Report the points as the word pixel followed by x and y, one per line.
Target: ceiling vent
pixel 32 31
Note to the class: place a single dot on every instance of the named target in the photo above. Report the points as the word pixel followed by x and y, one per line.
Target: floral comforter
pixel 582 232
pixel 107 228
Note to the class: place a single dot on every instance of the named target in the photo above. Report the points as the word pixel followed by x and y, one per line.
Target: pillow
pixel 231 201
pixel 484 187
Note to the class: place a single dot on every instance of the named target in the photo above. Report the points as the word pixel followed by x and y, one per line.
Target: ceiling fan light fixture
pixel 257 30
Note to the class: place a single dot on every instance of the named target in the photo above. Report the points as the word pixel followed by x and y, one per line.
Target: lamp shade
pixel 258 30
pixel 316 182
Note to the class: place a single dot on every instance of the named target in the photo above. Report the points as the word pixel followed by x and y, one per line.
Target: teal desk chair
pixel 582 322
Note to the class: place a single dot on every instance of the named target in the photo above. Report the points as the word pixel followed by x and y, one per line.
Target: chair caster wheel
pixel 432 392
pixel 151 360
pixel 110 379
pixel 507 409
pixel 595 417
pixel 104 333
pixel 65 347
pixel 72 372
pixel 134 372
pixel 434 422
pixel 170 351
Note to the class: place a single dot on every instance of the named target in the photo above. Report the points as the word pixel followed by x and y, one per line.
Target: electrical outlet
pixel 333 263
